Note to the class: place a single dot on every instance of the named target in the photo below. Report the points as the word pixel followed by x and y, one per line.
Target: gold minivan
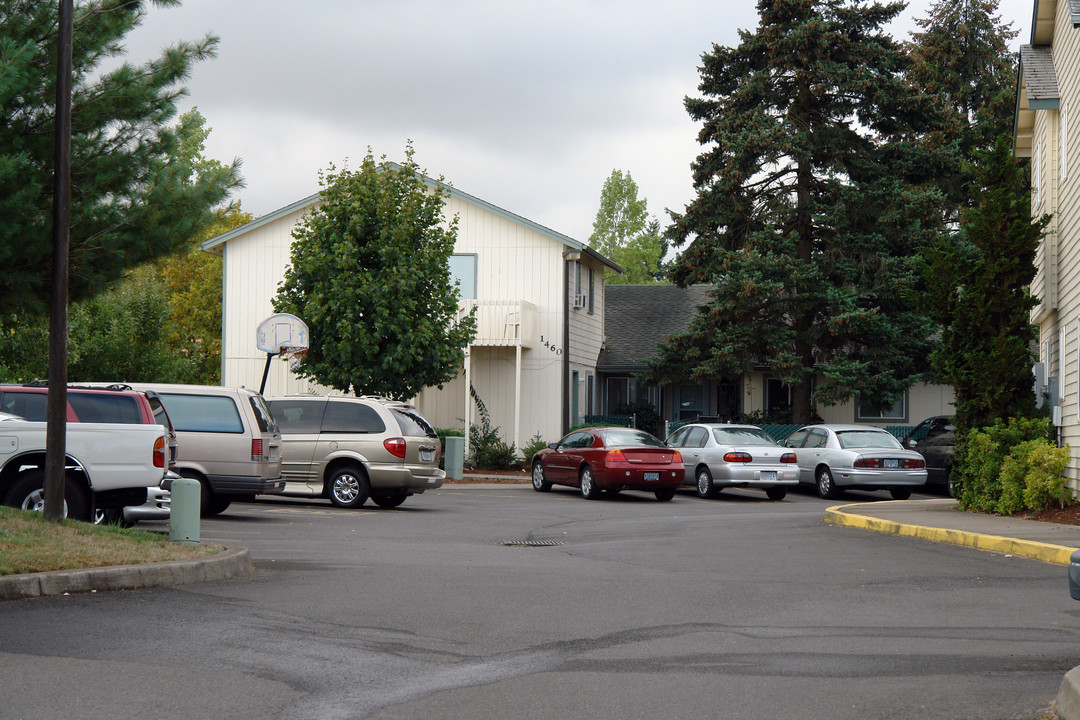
pixel 227 440
pixel 350 448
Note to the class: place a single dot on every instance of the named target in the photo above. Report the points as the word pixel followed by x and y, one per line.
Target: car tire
pixel 539 479
pixel 589 491
pixel 665 494
pixel 826 486
pixel 776 492
pixel 900 493
pixel 208 499
pixel 218 505
pixel 389 499
pixel 705 487
pixel 348 487
pixel 28 493
pixel 112 516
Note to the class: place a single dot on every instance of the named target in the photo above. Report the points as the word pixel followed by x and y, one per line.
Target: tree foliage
pixel 815 188
pixel 369 274
pixel 624 233
pixel 135 196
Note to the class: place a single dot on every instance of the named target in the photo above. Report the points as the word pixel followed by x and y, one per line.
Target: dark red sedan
pixel 609 458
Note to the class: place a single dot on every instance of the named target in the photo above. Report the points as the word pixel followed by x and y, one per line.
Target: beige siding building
pixel 538 296
pixel 1049 83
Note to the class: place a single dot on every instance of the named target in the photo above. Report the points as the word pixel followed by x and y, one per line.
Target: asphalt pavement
pixel 936 520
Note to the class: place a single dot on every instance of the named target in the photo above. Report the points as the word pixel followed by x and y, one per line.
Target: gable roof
pixel 215 244
pixel 637 318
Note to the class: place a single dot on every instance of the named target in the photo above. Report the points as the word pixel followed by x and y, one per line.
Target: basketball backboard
pixel 281 330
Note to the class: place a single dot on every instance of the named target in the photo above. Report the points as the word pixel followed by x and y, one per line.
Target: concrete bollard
pixel 184 509
pixel 455 457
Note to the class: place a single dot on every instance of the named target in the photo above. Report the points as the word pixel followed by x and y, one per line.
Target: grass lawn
pixel 30 543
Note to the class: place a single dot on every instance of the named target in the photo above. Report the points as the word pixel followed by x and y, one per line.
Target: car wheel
pixel 112 516
pixel 28 493
pixel 664 494
pixel 776 493
pixel 900 493
pixel 589 491
pixel 348 487
pixel 540 483
pixel 389 499
pixel 218 505
pixel 705 487
pixel 826 487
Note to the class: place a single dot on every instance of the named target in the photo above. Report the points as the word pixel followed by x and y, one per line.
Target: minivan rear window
pixel 351 417
pixel 263 417
pixel 203 413
pixel 412 424
pixel 298 416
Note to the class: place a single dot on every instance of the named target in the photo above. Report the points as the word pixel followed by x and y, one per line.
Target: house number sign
pixel 550 346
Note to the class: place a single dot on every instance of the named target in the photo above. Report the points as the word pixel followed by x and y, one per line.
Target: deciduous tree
pixel 369 274
pixel 623 232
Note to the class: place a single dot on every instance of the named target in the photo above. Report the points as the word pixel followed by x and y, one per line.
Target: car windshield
pixel 628 437
pixel 850 439
pixel 741 436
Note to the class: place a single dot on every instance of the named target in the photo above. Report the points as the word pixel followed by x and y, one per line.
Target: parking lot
pixel 497 602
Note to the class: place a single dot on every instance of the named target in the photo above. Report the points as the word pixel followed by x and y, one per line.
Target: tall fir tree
pixel 812 195
pixel 135 196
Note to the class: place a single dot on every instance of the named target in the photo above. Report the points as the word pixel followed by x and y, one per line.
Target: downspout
pixel 568 257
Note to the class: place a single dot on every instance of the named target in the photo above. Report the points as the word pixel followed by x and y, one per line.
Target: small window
pixel 898 410
pixel 263 417
pixel 577 440
pixel 352 417
pixel 697 437
pixel 298 416
pixel 30 406
pixel 203 413
pixel 796 439
pixel 678 437
pixel 817 439
pixel 103 408
pixel 463 272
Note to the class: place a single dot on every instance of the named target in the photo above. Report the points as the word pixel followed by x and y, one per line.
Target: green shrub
pixel 489 451
pixel 1044 484
pixel 536 444
pixel 980 457
pixel 645 416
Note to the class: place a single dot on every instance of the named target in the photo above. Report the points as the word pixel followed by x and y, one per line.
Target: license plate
pixel 425 456
pixel 768 475
pixel 653 476
pixel 890 463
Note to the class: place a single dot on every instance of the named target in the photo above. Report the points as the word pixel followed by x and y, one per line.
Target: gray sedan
pixel 856 457
pixel 720 456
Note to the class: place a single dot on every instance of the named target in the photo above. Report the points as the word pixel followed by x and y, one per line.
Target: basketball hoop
pixel 292 355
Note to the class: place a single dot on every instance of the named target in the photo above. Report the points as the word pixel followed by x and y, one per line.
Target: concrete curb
pixel 1055 554
pixel 226 564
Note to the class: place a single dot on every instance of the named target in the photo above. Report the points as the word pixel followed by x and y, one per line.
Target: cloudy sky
pixel 528 105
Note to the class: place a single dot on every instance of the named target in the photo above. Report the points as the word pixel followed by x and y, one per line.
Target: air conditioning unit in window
pixel 579 301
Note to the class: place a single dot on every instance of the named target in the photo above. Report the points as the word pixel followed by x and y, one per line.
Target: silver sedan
pixel 720 456
pixel 856 457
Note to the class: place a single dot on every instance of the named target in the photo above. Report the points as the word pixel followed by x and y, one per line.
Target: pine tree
pixel 134 195
pixel 369 274
pixel 813 193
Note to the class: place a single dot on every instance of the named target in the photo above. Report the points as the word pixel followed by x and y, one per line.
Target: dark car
pixel 934 438
pixel 611 459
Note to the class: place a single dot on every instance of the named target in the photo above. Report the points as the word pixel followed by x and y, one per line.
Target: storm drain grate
pixel 531 543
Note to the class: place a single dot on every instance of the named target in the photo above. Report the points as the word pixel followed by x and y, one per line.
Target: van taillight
pixel 159 452
pixel 395 446
pixel 256 449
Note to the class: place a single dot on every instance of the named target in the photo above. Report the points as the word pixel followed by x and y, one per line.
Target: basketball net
pixel 292 356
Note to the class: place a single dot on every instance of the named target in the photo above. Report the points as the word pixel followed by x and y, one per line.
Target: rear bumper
pixel 635 479
pixel 245 485
pixel 856 478
pixel 728 475
pixel 415 479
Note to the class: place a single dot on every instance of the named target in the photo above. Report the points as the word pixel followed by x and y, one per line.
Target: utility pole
pixel 56 429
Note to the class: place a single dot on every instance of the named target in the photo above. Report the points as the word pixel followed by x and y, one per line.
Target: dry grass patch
pixel 30 543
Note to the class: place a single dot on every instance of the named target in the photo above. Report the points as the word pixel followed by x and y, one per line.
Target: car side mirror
pixel 912 443
pixel 553 446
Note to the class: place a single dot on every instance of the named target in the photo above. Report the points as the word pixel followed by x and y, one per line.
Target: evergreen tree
pixel 369 274
pixel 812 195
pixel 134 195
pixel 623 232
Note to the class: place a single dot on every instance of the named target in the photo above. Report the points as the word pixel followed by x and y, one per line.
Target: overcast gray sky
pixel 527 105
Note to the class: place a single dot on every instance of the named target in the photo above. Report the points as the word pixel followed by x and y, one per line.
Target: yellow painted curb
pixel 1046 552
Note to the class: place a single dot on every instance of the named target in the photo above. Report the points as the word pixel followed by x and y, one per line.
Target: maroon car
pixel 609 458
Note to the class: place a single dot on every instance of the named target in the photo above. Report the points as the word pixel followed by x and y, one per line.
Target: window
pixel 203 413
pixel 898 410
pixel 463 272
pixel 592 288
pixel 691 402
pixel 412 423
pixel 32 406
pixel 618 393
pixel 298 416
pixel 796 439
pixel 1063 140
pixel 351 417
pixel 817 439
pixel 697 437
pixel 777 398
pixel 94 407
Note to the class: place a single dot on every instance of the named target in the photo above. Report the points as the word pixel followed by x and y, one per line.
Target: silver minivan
pixel 350 448
pixel 227 440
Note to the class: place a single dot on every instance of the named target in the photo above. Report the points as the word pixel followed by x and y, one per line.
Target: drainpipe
pixel 569 257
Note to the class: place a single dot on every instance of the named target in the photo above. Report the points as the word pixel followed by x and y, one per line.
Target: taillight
pixel 395 446
pixel 614 456
pixel 676 457
pixel 738 457
pixel 788 458
pixel 159 452
pixel 914 464
pixel 256 449
pixel 867 463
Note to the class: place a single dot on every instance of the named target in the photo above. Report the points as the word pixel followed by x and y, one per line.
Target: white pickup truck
pixel 108 465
